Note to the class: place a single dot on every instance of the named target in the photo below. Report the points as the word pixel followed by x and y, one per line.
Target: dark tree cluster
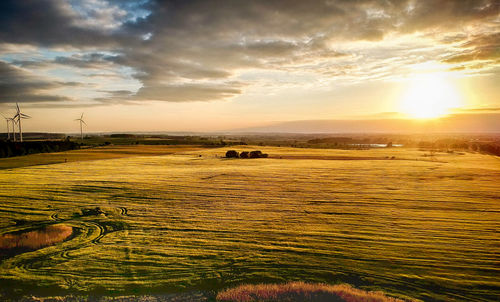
pixel 9 148
pixel 232 154
pixel 122 135
pixel 330 140
pixel 246 154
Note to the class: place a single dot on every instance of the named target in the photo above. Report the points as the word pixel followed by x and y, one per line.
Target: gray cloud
pixel 446 14
pixel 89 60
pixel 187 92
pixel 480 48
pixel 18 86
pixel 43 22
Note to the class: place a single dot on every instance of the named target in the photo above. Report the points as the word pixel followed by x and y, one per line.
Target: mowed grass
pixel 412 226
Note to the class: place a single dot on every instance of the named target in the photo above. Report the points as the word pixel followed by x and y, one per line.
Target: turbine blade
pixel 81 117
pixel 25 115
pixel 84 122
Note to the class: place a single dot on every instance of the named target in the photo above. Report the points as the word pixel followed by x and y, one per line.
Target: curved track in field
pixel 88 231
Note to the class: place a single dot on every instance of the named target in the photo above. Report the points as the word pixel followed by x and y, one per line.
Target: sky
pixel 146 65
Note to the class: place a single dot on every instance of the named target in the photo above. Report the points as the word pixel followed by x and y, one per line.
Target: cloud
pixel 183 51
pixel 445 14
pixel 187 92
pixel 197 40
pixel 89 60
pixel 478 48
pixel 16 85
pixel 43 22
pixel 479 110
pixel 98 15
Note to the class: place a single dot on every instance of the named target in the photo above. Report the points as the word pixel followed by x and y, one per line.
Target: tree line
pixel 486 147
pixel 10 149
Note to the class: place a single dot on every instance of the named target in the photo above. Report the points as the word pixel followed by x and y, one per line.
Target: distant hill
pixel 457 123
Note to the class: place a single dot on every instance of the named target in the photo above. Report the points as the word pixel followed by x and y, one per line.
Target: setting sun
pixel 430 96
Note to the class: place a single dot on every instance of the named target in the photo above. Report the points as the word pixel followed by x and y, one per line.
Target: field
pixel 96 153
pixel 186 220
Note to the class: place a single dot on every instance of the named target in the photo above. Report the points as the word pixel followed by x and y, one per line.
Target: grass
pixel 301 291
pixel 412 227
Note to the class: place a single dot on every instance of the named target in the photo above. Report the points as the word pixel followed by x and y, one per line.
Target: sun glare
pixel 430 96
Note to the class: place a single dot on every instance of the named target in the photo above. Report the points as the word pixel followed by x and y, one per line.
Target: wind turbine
pixel 19 115
pixel 81 126
pixel 8 119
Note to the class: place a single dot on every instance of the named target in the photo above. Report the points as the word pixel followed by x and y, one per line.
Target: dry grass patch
pixel 36 239
pixel 301 291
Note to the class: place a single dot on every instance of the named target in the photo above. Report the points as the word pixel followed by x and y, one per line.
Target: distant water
pixel 374 145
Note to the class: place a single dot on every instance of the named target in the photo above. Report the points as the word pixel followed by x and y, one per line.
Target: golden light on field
pixel 430 96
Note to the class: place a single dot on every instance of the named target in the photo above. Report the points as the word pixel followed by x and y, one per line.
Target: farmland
pixel 185 220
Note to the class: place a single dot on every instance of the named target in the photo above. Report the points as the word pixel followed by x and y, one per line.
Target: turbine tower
pixel 81 125
pixel 19 115
pixel 7 119
pixel 13 121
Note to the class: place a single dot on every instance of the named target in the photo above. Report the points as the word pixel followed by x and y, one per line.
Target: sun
pixel 430 96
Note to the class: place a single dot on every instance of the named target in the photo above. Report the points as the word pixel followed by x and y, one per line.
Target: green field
pixel 425 227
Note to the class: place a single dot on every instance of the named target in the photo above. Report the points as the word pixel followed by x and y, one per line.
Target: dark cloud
pixel 18 86
pixel 115 96
pixel 43 22
pixel 481 48
pixel 187 92
pixel 70 23
pixel 446 14
pixel 91 60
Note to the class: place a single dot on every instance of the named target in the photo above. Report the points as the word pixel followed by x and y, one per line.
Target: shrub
pixel 255 154
pixel 232 154
pixel 244 154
